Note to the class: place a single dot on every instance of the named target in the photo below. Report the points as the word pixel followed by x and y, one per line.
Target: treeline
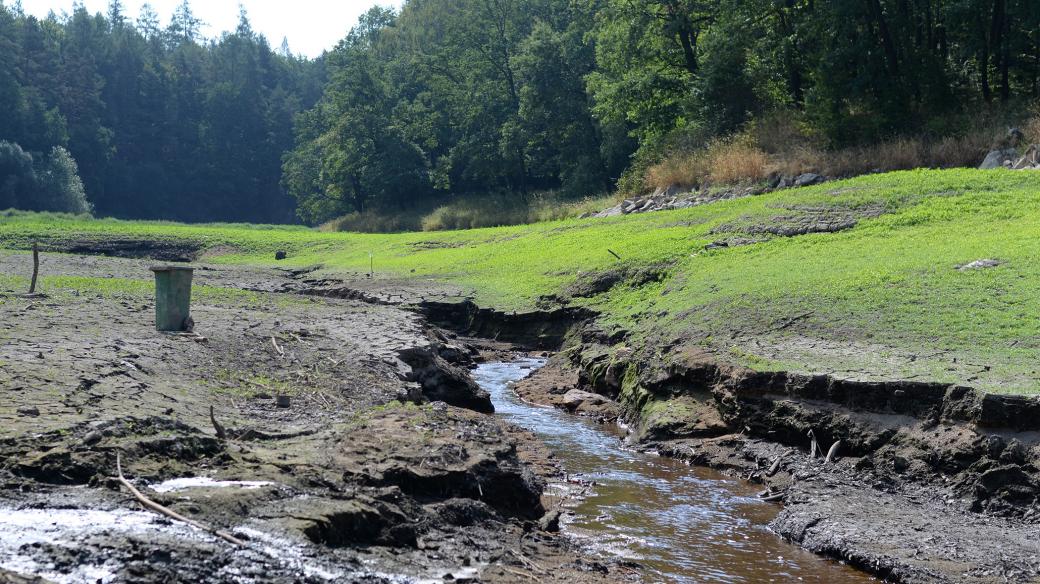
pixel 162 123
pixel 478 95
pixel 456 96
pixel 503 99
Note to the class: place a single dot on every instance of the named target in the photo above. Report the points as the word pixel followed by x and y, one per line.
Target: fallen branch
pixel 793 320
pixel 153 506
pixel 613 253
pixel 833 451
pixel 274 344
pixel 814 446
pixel 776 497
pixel 530 565
pixel 775 467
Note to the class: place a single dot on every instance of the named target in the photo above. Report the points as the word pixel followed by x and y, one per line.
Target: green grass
pixel 882 299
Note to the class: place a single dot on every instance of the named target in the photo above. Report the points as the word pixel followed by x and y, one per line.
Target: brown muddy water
pixel 683 524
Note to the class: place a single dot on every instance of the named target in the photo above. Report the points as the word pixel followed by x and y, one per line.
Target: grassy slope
pixel 880 300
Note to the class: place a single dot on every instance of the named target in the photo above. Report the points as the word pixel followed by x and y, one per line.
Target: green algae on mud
pixel 870 263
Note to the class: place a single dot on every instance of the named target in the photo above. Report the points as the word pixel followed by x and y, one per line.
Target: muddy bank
pixel 168 250
pixel 381 469
pixel 926 482
pixel 683 524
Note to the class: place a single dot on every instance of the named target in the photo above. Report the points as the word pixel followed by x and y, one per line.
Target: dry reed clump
pixel 775 147
pixel 737 161
pixel 730 161
pixel 373 222
pixel 685 169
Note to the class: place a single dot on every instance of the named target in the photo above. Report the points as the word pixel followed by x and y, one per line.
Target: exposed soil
pixel 381 469
pixel 801 220
pixel 929 483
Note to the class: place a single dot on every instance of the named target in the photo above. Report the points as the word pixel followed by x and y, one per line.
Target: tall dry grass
pixel 778 145
pixel 472 211
pixel 729 161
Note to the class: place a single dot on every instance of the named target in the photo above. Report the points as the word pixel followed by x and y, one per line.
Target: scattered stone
pixel 280 255
pixel 32 411
pixel 282 401
pixel 979 265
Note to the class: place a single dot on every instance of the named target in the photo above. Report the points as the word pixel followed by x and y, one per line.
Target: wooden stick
pixel 519 573
pixel 814 446
pixel 153 506
pixel 531 565
pixel 221 433
pixel 613 253
pixel 274 343
pixel 36 267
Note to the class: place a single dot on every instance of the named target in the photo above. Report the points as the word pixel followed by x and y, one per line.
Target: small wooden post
pixel 36 267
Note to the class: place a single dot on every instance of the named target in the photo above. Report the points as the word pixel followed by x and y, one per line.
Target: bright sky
pixel 310 25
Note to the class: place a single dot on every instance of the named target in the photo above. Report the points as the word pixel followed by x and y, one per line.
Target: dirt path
pixel 346 484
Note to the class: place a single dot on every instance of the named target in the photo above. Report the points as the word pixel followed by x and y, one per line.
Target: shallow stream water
pixel 683 524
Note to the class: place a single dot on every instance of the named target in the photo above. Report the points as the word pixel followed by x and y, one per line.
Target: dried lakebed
pixel 354 482
pixel 683 524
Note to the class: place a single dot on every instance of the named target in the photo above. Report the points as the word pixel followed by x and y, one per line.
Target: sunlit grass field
pixel 887 289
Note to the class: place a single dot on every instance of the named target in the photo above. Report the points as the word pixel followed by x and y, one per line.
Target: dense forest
pixel 481 96
pixel 161 122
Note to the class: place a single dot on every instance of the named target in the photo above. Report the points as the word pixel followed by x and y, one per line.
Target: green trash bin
pixel 172 297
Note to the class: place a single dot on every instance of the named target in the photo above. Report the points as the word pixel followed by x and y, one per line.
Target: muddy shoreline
pixel 385 467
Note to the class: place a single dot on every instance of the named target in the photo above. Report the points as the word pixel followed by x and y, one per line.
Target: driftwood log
pixel 153 506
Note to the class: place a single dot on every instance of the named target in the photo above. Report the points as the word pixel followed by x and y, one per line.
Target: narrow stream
pixel 685 524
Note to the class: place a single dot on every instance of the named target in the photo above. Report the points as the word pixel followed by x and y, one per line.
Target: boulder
pixel 550 522
pixel 809 178
pixel 998 158
pixel 590 404
pixel 442 381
